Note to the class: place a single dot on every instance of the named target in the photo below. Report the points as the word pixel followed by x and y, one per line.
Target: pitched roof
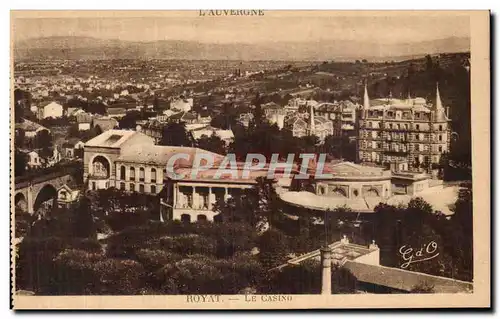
pixel 295 119
pixel 271 105
pixel 328 107
pixel 183 116
pixel 160 155
pixel 84 118
pixel 30 126
pixel 105 123
pixel 116 111
pixel 405 280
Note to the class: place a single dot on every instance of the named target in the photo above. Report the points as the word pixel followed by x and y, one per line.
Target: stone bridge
pixel 31 192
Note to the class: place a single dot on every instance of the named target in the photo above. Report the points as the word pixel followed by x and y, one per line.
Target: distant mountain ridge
pixel 77 47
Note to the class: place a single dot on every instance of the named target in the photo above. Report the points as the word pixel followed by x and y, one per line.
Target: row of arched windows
pixel 141 176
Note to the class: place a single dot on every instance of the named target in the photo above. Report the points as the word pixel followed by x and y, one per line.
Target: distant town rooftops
pixel 30 126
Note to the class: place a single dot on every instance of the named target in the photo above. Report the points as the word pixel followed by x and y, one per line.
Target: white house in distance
pixel 66 196
pixel 84 121
pixel 50 109
pixel 226 135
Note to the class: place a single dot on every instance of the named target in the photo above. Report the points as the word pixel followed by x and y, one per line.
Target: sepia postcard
pixel 250 159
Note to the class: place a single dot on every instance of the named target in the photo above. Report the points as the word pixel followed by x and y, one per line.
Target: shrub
pixel 35 268
pixel 189 244
pixel 274 248
pixel 77 273
pixel 34 264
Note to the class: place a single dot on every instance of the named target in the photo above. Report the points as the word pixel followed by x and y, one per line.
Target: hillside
pixel 92 48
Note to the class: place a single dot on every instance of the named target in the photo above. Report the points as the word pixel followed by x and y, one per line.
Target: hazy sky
pixel 272 27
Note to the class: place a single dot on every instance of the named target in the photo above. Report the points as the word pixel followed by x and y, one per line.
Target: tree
pixel 279 281
pixel 258 114
pixel 84 225
pixel 95 131
pixel 156 104
pixel 129 121
pixel 20 138
pixel 213 144
pixel 95 108
pixel 200 274
pixel 227 118
pixel 73 131
pixel 258 206
pixel 22 102
pixel 428 62
pixel 43 139
pixel 459 234
pixel 23 222
pixel 175 134
pixel 273 248
pixel 20 162
pixel 35 268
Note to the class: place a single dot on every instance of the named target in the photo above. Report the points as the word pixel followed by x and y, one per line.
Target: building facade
pixel 301 125
pixel 361 188
pixel 52 109
pixel 131 162
pixel 411 133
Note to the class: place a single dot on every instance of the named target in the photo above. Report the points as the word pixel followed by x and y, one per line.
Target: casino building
pixel 361 188
pixel 130 161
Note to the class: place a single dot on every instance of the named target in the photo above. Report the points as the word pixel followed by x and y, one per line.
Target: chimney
pixel 326 271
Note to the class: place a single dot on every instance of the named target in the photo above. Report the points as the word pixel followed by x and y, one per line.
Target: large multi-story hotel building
pixel 409 134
